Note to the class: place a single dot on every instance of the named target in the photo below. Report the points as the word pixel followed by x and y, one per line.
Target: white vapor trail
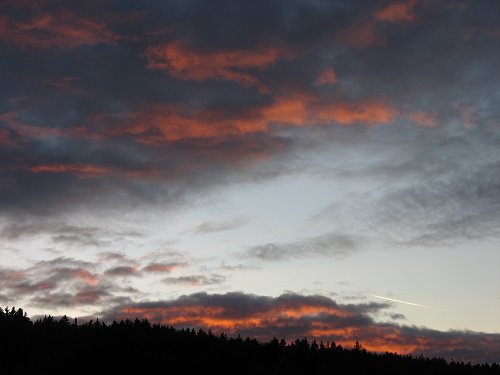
pixel 399 301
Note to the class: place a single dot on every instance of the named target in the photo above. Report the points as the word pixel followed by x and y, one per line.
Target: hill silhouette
pixel 61 346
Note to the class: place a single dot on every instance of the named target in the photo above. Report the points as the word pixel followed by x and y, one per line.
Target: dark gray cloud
pixel 292 316
pixel 76 135
pixel 332 245
pixel 122 271
pixel 66 234
pixel 397 316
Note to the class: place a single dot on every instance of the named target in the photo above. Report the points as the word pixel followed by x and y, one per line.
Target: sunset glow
pixel 264 168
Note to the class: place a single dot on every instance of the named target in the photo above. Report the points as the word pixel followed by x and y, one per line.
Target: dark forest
pixel 63 346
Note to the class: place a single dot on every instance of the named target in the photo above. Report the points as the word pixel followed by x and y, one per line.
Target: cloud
pixel 292 316
pixel 63 282
pixel 233 65
pixel 188 134
pixel 360 112
pixel 68 85
pixel 401 11
pixel 86 297
pixel 47 279
pixel 61 29
pixel 397 316
pixel 332 244
pixel 122 271
pixel 443 211
pixel 451 206
pixel 63 274
pixel 327 77
pixel 156 267
pixel 424 119
pixel 164 123
pixel 425 192
pixel 77 130
pixel 65 233
pixel 5 139
pixel 77 169
pixel 220 226
pixel 99 116
pixel 361 35
pixel 109 256
pixel 365 31
pixel 236 267
pixel 195 280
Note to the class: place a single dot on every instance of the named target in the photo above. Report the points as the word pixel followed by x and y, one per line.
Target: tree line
pixel 51 345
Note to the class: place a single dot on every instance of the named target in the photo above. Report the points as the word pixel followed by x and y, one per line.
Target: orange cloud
pixel 327 77
pixel 292 110
pixel 166 123
pixel 224 319
pixel 77 169
pixel 364 33
pixel 63 29
pixel 291 316
pixel 396 12
pixel 85 275
pixel 364 112
pixel 233 65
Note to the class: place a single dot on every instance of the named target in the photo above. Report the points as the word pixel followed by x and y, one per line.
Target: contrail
pixel 398 300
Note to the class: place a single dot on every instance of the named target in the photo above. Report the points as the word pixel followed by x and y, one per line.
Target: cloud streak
pixel 398 301
pixel 332 244
pixel 195 280
pixel 184 63
pixel 220 226
pixel 61 29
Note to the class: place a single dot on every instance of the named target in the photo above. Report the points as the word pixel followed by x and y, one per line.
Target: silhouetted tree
pixel 54 346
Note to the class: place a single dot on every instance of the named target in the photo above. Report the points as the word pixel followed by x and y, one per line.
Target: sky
pixel 328 169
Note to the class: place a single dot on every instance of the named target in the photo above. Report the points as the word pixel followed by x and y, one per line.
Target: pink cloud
pixel 183 62
pixel 401 11
pixel 327 77
pixel 63 29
